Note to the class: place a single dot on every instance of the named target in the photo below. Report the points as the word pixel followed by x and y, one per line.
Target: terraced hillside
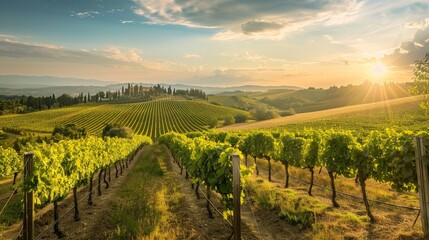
pixel 149 118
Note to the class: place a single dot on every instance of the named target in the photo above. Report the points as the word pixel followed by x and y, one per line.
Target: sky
pixel 305 43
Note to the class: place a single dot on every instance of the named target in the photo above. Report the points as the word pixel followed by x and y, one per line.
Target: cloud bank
pixel 112 56
pixel 409 52
pixel 243 19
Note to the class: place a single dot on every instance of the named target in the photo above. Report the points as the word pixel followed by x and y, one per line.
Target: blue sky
pixel 224 42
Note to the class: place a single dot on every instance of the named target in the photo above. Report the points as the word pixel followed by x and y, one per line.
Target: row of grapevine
pixel 66 165
pixel 207 162
pixel 385 156
pixel 9 163
pixel 152 118
pixel 61 166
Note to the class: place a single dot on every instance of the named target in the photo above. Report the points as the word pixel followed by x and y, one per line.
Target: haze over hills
pixel 11 85
pixel 312 99
pixel 285 100
pixel 26 82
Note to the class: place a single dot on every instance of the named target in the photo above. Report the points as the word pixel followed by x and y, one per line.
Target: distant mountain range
pixel 15 81
pixel 11 85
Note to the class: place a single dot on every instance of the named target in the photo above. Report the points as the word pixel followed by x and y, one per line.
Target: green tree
pixel 228 120
pixel 117 130
pixel 101 94
pixel 65 100
pixel 263 113
pixel 421 81
pixel 213 122
pixel 240 118
pixel 68 131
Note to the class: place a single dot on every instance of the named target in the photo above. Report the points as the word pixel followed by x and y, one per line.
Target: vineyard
pixel 298 176
pixel 214 120
pixel 386 157
pixel 383 158
pixel 152 118
pixel 59 168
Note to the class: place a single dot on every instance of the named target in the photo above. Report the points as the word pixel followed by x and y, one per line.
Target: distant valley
pixel 11 85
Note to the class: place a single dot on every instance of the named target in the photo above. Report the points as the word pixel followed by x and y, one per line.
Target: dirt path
pixel 6 181
pixel 90 215
pixel 190 216
pixel 266 225
pixel 193 212
pixel 256 223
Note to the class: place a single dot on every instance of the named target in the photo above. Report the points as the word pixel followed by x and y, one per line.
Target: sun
pixel 379 69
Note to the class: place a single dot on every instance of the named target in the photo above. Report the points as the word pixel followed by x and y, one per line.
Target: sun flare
pixel 379 69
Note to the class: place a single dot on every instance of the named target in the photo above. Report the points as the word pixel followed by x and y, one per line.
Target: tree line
pixel 26 104
pixel 140 91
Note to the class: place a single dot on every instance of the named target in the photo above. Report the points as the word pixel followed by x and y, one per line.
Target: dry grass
pixel 142 209
pixel 350 220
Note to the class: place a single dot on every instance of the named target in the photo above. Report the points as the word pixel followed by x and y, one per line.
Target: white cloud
pixel 328 37
pixel 125 55
pixel 87 14
pixel 164 12
pixel 418 25
pixel 191 55
pixel 231 35
pixel 341 14
pixel 112 56
pixel 6 36
pixel 403 51
pixel 331 39
pixel 251 57
pixel 195 69
pixel 241 19
pixel 127 21
pixel 48 46
pixel 418 44
pixel 407 53
pixel 114 10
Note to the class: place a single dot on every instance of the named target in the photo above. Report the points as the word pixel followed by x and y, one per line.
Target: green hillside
pixel 402 114
pixel 149 118
pixel 236 101
pixel 312 99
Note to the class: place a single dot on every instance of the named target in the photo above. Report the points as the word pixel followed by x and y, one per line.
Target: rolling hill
pixel 394 105
pixel 38 86
pixel 149 118
pixel 312 99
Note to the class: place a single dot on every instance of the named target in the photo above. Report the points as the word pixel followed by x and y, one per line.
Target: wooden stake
pixel 423 181
pixel 28 229
pixel 236 193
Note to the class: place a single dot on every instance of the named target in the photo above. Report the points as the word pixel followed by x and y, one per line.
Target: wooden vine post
pixel 423 181
pixel 236 194
pixel 28 224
